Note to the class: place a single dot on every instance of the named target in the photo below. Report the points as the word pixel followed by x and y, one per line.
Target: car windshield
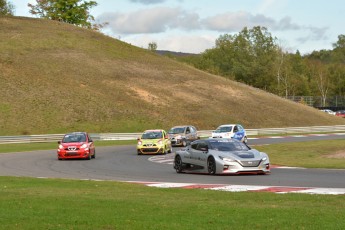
pixel 223 129
pixel 79 137
pixel 152 135
pixel 176 130
pixel 225 146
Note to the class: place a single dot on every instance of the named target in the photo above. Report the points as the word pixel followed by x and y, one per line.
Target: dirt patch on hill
pixel 147 96
pixel 338 155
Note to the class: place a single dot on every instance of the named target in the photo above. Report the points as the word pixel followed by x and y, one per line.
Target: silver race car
pixel 221 156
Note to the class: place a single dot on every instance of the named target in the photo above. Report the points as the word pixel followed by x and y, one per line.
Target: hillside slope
pixel 55 78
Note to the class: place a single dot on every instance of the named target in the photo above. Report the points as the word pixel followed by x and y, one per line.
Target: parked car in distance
pixel 221 156
pixel 235 131
pixel 155 141
pixel 328 111
pixel 76 145
pixel 182 135
pixel 340 113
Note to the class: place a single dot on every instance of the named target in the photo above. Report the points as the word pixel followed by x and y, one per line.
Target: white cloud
pixel 187 43
pixel 152 20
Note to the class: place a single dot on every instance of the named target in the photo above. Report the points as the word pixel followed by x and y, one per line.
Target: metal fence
pixel 45 138
pixel 316 101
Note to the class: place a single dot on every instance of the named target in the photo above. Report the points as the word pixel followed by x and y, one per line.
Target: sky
pixel 192 26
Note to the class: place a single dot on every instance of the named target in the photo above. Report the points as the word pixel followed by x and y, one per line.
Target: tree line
pixel 254 57
pixel 76 12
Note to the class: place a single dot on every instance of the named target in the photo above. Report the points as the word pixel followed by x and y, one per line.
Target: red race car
pixel 340 113
pixel 76 145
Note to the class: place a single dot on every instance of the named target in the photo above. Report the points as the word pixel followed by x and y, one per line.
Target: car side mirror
pixel 59 142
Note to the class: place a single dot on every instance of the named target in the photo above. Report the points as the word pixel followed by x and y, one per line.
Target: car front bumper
pixel 78 154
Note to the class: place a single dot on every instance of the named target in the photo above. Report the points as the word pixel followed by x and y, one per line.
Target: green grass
pixel 76 79
pixel 72 204
pixel 309 154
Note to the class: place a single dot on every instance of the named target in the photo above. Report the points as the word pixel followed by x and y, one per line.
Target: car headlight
pixel 84 146
pixel 160 142
pixel 61 147
pixel 263 159
pixel 140 142
pixel 226 159
pixel 178 137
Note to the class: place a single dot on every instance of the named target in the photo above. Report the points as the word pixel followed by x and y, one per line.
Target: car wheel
pixel 170 149
pixel 211 166
pixel 94 155
pixel 88 156
pixel 178 164
pixel 59 158
pixel 184 143
pixel 165 150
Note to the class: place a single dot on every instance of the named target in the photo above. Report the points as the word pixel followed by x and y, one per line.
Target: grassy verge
pixel 71 204
pixel 314 154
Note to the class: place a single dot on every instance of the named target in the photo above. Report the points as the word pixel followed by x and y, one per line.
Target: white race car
pixel 235 131
pixel 221 156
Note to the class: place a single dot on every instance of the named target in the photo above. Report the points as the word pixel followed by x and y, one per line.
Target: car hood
pixel 77 144
pixel 145 141
pixel 175 135
pixel 242 155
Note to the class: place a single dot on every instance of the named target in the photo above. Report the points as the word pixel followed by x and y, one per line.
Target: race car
pixel 76 145
pixel 154 142
pixel 235 131
pixel 182 135
pixel 221 156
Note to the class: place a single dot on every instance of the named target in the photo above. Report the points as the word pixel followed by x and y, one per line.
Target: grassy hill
pixel 56 78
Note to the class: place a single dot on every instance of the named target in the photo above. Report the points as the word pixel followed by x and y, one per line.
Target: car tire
pixel 178 164
pixel 170 149
pixel 211 166
pixel 94 155
pixel 165 151
pixel 88 156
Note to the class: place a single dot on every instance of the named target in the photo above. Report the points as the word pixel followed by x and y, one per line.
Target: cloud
pixel 236 21
pixel 152 20
pixel 315 34
pixel 184 43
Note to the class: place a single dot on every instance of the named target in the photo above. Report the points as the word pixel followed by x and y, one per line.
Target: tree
pixel 6 8
pixel 152 46
pixel 74 12
pixel 339 49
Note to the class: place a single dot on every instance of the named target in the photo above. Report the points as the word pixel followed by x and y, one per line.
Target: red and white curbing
pixel 247 188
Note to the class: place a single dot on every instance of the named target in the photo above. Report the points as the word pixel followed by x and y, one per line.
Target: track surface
pixel 121 163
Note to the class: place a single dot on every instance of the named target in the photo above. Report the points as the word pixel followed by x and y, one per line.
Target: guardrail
pixel 203 133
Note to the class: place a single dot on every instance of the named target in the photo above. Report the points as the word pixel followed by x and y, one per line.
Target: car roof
pixel 182 126
pixel 227 125
pixel 219 140
pixel 153 130
pixel 75 133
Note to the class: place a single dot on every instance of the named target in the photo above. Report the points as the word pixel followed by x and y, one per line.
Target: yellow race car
pixel 154 141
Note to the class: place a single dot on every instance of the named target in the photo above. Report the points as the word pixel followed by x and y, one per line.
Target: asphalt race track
pixel 121 163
